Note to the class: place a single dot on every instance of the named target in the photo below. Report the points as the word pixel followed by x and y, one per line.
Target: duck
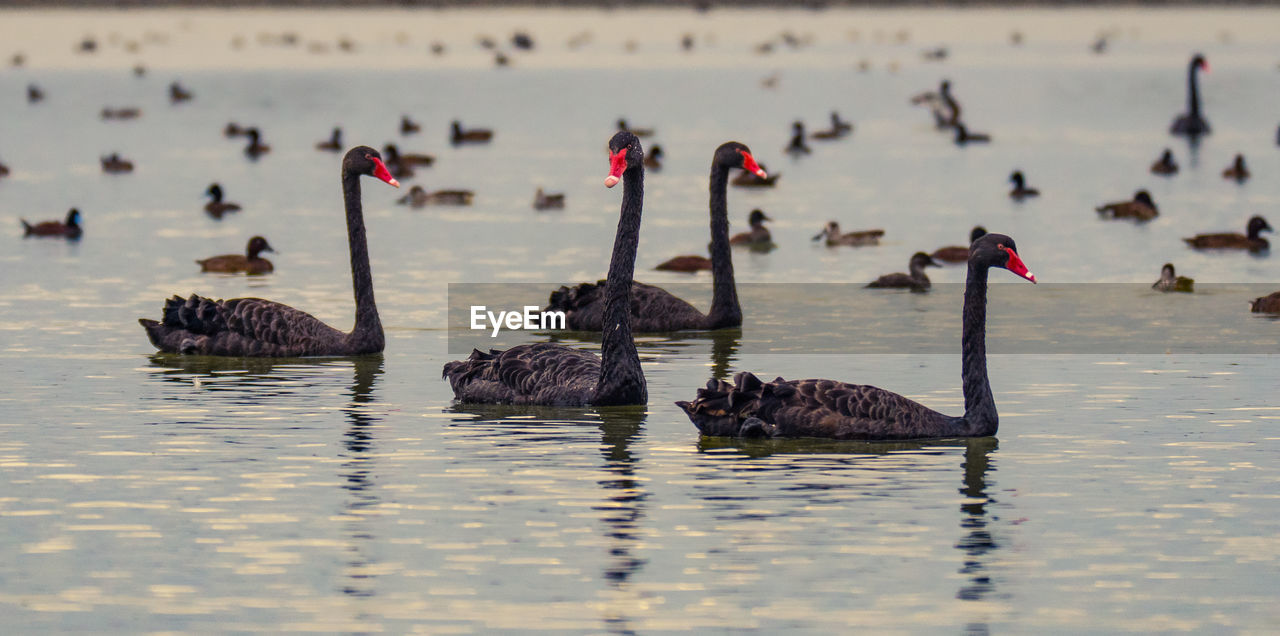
pixel 1170 282
pixel 1236 170
pixel 334 144
pixel 916 280
pixel 255 148
pixel 121 113
pixel 653 160
pixel 957 253
pixel 839 128
pixel 474 135
pixel 951 107
pixel 178 94
pixel 250 262
pixel 34 94
pixel 419 197
pixel 408 126
pixel 797 145
pixel 855 239
pixel 70 228
pixel 1141 208
pixel 216 207
pixel 1165 165
pixel 114 164
pixel 4 170
pixel 1020 191
pixel 1229 240
pixel 749 179
pixel 1266 304
pixel 408 159
pixel 963 136
pixel 233 129
pixel 819 408
pixel 639 132
pixel 689 263
pixel 758 235
pixel 547 201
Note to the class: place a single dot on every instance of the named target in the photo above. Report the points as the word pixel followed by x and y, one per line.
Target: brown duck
pixel 758 235
pixel 334 144
pixel 547 201
pixel 958 253
pixel 1141 208
pixel 1165 165
pixel 1170 282
pixel 250 262
pixel 1266 304
pixel 70 228
pixel 473 136
pixel 114 164
pixel 1231 240
pixel 419 197
pixel 216 207
pixel 835 237
pixel 916 281
pixel 1236 170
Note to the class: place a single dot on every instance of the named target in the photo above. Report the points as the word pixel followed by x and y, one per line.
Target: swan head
pixel 736 155
pixel 1198 62
pixel 366 160
pixel 998 250
pixel 625 153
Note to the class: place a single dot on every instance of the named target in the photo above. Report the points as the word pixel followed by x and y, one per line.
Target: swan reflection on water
pixel 623 508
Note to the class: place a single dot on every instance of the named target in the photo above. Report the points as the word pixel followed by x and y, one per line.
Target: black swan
pixel 70 228
pixel 758 234
pixel 250 262
pixel 1165 165
pixel 255 148
pixel 334 144
pixel 797 145
pixel 419 197
pixel 115 164
pixel 1020 190
pixel 1236 170
pixel 217 207
pixel 656 310
pixel 473 136
pixel 830 409
pixel 856 239
pixel 957 253
pixel 556 375
pixel 963 136
pixel 915 280
pixel 639 132
pixel 1170 282
pixel 253 327
pixel 547 200
pixel 1231 240
pixel 1269 304
pixel 1141 208
pixel 1192 123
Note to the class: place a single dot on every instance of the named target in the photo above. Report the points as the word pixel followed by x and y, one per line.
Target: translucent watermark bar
pixel 839 318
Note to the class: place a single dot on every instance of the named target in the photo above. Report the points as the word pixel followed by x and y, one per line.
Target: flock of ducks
pixel 619 306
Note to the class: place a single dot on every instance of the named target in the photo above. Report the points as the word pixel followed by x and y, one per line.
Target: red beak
pixel 749 164
pixel 380 171
pixel 617 163
pixel 1016 265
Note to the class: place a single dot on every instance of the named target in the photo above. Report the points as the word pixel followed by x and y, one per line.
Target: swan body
pixel 254 327
pixel 750 407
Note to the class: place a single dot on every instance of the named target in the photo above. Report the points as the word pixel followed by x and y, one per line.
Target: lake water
pixel 1132 487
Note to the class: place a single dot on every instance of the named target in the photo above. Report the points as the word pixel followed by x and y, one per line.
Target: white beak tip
pixel 610 181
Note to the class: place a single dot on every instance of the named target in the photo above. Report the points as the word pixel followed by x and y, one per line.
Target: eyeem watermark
pixel 531 318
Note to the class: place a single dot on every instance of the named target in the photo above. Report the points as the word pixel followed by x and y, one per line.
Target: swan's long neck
pixel 368 329
pixel 621 379
pixel 979 405
pixel 1193 90
pixel 725 310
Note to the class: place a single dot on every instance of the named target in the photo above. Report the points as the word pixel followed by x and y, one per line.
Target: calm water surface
pixel 1129 489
